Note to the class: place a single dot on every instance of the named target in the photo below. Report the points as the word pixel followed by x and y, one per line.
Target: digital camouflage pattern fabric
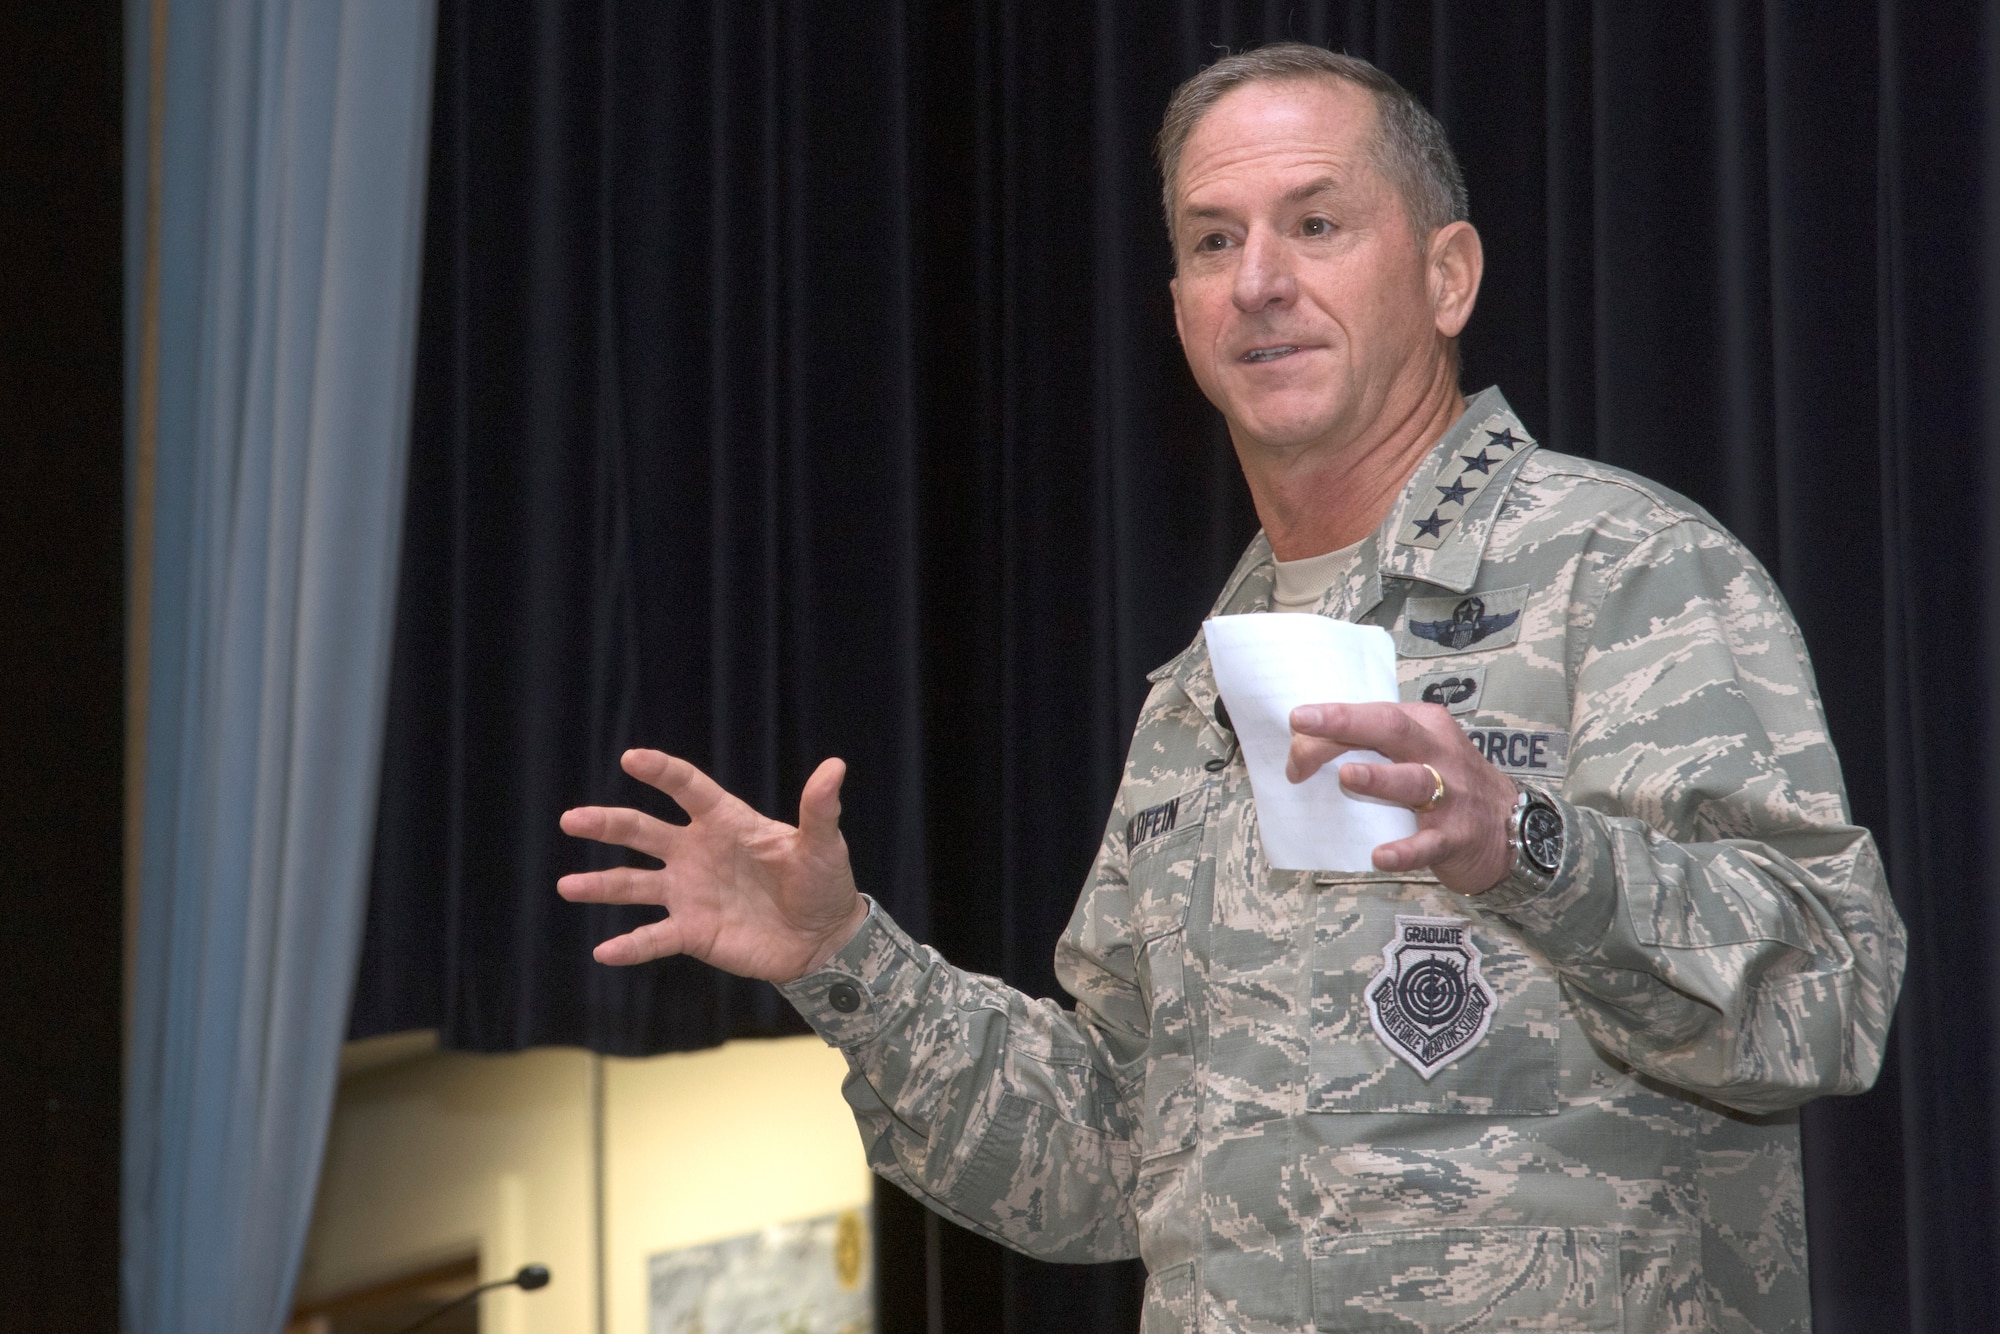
pixel 1618 1150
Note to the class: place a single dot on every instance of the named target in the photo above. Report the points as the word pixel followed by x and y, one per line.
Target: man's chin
pixel 1281 433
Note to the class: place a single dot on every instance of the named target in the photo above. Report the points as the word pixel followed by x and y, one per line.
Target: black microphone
pixel 527 1278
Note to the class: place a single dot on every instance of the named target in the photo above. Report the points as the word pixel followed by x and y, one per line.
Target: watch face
pixel 1542 837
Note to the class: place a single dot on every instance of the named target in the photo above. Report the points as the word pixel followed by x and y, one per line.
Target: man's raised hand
pixel 751 896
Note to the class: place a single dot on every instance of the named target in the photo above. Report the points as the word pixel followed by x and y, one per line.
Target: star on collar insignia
pixel 1460 479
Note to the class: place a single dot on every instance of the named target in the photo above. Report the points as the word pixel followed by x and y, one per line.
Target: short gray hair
pixel 1410 146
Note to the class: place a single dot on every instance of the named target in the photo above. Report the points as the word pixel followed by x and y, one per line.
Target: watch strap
pixel 1524 877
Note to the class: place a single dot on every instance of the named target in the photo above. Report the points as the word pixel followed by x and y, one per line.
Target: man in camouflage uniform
pixel 1538 1069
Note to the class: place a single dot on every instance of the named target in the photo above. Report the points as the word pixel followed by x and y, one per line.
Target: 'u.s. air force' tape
pixel 1523 751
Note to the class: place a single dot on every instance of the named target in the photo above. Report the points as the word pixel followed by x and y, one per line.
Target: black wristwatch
pixel 1535 833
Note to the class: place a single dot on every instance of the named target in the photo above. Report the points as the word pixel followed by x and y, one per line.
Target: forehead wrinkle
pixel 1327 184
pixel 1334 166
pixel 1299 194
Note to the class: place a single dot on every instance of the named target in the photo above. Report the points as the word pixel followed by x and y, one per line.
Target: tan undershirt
pixel 1302 583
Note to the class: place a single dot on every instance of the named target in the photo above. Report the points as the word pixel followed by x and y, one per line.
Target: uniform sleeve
pixel 1717 920
pixel 1008 1114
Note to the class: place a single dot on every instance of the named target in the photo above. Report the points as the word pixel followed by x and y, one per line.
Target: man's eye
pixel 1213 241
pixel 1316 227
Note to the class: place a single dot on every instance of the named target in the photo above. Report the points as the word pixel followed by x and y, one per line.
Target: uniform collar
pixel 1438 528
pixel 1247 589
pixel 1436 533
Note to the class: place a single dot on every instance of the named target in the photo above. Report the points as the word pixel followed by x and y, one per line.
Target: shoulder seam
pixel 1560 465
pixel 1673 514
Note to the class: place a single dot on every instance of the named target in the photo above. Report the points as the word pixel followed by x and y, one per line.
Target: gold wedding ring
pixel 1437 793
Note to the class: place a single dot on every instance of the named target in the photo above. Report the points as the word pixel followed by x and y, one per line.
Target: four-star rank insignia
pixel 1429 1003
pixel 1461 478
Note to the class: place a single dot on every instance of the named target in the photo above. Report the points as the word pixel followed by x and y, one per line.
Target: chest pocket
pixel 1511 1070
pixel 1164 876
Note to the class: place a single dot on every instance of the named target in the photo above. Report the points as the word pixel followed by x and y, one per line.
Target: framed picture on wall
pixel 813 1276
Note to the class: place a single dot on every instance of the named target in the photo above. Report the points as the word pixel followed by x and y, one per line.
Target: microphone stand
pixel 527 1278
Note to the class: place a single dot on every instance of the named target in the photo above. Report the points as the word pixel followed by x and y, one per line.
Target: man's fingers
pixel 1308 754
pixel 1424 848
pixel 621 825
pixel 819 803
pixel 694 791
pixel 620 884
pixel 1387 728
pixel 655 940
pixel 1411 785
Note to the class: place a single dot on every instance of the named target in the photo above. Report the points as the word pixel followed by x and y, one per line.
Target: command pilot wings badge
pixel 1468 624
pixel 1429 1003
pixel 1432 627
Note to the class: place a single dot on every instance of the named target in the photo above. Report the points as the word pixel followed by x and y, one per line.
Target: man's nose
pixel 1264 277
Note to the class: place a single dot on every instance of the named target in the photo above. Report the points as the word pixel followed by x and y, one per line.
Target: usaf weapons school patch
pixel 1429 1004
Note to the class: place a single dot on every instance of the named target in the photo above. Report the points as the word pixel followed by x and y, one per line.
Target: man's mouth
pixel 1270 353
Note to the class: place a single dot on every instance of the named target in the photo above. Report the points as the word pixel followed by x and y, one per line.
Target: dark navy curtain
pixel 798 379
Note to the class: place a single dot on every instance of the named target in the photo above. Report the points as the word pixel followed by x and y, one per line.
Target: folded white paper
pixel 1266 665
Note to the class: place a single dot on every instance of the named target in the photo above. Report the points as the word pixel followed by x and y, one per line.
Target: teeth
pixel 1270 353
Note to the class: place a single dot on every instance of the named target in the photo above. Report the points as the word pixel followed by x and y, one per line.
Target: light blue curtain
pixel 289 230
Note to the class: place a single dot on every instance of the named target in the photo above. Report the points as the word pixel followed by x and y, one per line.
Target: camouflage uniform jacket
pixel 1619 1150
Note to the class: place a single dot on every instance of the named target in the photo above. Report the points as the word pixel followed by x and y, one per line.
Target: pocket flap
pixel 1457 1280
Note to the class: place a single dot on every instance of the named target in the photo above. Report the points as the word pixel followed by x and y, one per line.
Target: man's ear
pixel 1457 261
pixel 1174 290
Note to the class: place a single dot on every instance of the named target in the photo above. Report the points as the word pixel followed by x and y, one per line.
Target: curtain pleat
pixel 797 381
pixel 292 197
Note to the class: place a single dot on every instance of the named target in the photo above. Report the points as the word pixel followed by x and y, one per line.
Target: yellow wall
pixel 448 1155
pixel 441 1155
pixel 717 1143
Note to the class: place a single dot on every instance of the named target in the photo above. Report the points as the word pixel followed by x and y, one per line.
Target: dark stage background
pixel 62 651
pixel 798 379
